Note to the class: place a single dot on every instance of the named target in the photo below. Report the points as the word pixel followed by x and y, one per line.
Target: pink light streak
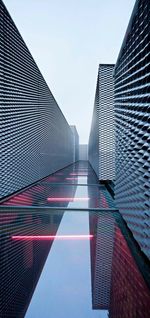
pixel 66 199
pixel 50 237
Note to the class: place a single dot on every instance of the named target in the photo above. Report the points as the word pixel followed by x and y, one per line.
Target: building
pixel 132 109
pixel 83 152
pixel 76 143
pixel 101 150
pixel 36 139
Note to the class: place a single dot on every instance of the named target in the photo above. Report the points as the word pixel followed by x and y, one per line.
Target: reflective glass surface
pixel 74 185
pixel 57 260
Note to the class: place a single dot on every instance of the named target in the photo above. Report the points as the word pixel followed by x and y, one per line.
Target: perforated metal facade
pixel 132 113
pixel 76 142
pixel 102 139
pixel 36 139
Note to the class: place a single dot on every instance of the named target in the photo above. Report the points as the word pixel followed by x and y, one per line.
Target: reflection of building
pixel 119 271
pixel 75 142
pixel 36 139
pixel 130 296
pixel 101 249
pixel 21 261
pixel 102 139
pixel 98 193
pixel 132 108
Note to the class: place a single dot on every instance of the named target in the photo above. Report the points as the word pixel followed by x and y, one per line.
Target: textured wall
pixel 93 146
pixel 102 137
pixel 76 142
pixel 36 139
pixel 132 109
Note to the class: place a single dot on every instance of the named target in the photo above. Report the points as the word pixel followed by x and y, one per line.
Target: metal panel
pixel 102 137
pixel 132 109
pixel 36 139
pixel 76 142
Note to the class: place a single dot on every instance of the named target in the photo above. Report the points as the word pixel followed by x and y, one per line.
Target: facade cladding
pixel 76 143
pixel 36 139
pixel 102 136
pixel 132 109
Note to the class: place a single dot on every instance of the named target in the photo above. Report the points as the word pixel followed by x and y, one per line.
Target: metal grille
pixel 132 109
pixel 102 141
pixel 76 142
pixel 36 139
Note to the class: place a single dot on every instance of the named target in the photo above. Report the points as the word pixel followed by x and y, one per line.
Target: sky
pixel 68 40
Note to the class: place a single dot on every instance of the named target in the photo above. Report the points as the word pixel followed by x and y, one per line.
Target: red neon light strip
pixel 50 237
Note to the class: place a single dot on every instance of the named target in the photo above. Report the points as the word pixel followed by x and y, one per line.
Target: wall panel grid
pixel 102 136
pixel 36 140
pixel 132 115
pixel 75 142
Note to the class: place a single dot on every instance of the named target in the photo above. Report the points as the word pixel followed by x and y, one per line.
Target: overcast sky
pixel 68 39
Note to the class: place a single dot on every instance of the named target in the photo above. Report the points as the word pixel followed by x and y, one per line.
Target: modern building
pixel 101 149
pixel 76 143
pixel 36 139
pixel 132 115
pixel 83 152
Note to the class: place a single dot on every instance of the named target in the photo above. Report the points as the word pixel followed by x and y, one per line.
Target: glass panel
pixel 68 262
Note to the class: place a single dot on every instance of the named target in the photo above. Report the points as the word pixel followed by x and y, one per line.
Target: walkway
pixel 76 184
pixel 66 252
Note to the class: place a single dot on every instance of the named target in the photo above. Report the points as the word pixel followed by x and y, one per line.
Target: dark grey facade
pixel 101 150
pixel 76 143
pixel 132 114
pixel 36 139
